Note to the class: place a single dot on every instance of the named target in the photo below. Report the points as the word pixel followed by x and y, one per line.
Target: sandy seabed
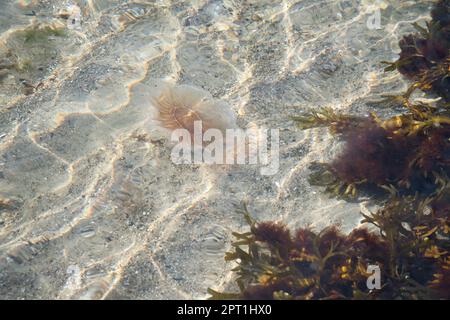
pixel 97 209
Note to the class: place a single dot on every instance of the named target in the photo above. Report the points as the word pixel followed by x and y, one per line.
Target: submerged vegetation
pixel 409 152
pixel 412 250
pixel 29 55
pixel 424 56
pixel 407 157
pixel 42 33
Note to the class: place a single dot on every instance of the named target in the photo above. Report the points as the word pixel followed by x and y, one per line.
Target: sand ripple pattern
pixel 97 209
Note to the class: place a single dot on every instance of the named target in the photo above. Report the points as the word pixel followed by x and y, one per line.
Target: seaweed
pixel 327 117
pixel 411 248
pixel 408 152
pixel 29 56
pixel 407 156
pixel 424 56
pixel 39 33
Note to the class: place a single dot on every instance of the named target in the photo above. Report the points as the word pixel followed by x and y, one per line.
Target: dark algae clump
pixel 409 152
pixel 411 248
pixel 424 56
pixel 405 159
pixel 274 263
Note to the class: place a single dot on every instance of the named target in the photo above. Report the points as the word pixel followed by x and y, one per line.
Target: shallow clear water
pixel 96 208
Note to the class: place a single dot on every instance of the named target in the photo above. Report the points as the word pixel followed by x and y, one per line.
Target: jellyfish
pixel 196 120
pixel 180 106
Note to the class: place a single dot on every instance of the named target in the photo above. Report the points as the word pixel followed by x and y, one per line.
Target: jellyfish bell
pixel 192 121
pixel 180 106
pixel 185 107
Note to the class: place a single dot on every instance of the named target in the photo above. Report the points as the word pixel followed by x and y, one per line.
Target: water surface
pixel 95 208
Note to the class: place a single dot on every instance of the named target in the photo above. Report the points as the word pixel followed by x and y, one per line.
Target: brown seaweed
pixel 425 55
pixel 409 152
pixel 408 156
pixel 411 248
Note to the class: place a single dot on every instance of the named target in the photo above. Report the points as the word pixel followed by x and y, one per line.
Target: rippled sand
pixel 94 206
